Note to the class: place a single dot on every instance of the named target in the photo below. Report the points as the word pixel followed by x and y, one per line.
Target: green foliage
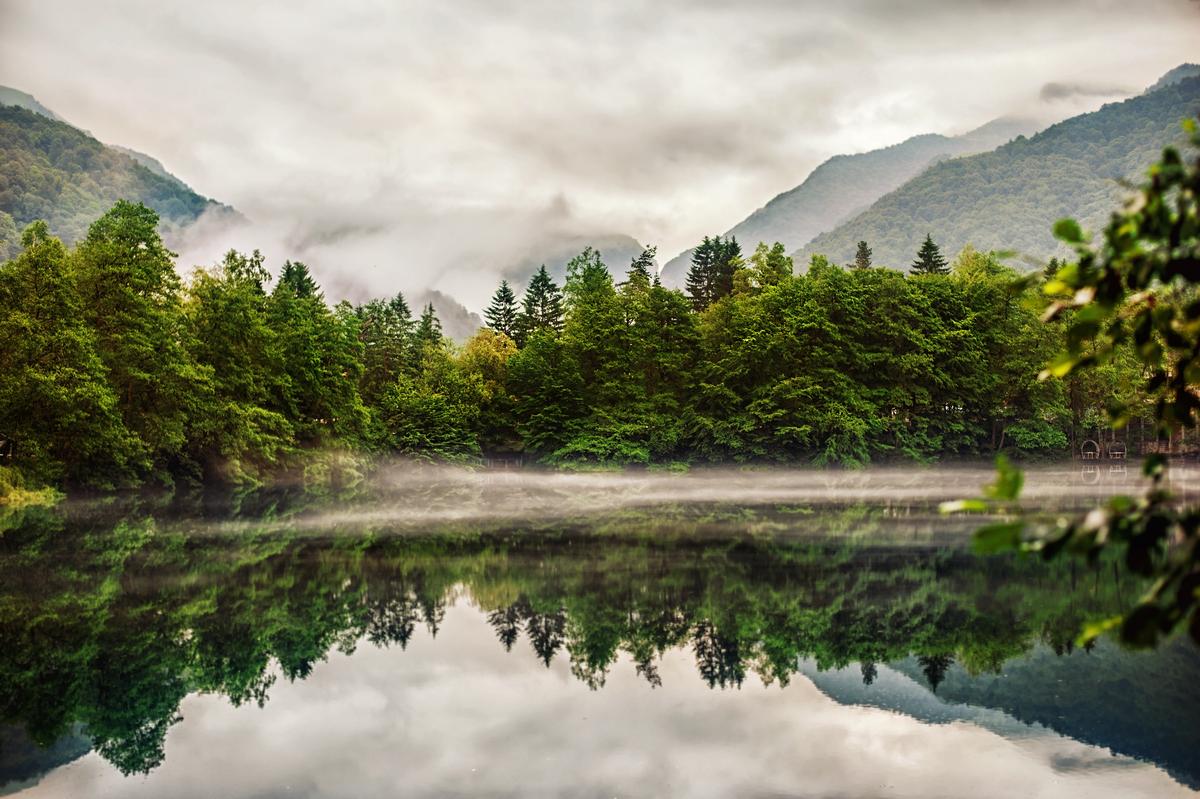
pixel 56 403
pixel 385 331
pixel 1137 292
pixel 711 275
pixel 929 260
pixel 321 361
pixel 501 315
pixel 58 173
pixel 541 308
pixel 432 413
pixel 862 256
pixel 131 297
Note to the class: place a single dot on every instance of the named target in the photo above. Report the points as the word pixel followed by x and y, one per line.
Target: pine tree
pixel 1051 270
pixel 929 260
pixel 711 275
pixel 501 315
pixel 296 278
pixel 640 270
pixel 542 307
pixel 862 258
pixel 429 330
pixel 385 329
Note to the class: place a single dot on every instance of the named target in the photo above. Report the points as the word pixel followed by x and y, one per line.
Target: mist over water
pixel 407 496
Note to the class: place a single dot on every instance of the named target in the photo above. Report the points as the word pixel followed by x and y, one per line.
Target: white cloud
pixel 446 130
pixel 459 716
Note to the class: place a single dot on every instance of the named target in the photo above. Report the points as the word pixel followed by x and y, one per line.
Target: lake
pixel 434 632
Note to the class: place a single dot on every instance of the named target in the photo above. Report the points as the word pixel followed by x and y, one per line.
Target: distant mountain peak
pixel 844 185
pixel 11 96
pixel 1181 72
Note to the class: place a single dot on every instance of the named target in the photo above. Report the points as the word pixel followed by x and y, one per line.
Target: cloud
pixel 460 716
pixel 422 143
pixel 1054 92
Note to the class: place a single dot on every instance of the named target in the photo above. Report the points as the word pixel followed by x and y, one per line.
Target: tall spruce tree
pixel 542 307
pixel 929 259
pixel 711 275
pixel 862 258
pixel 641 269
pixel 501 315
pixel 429 330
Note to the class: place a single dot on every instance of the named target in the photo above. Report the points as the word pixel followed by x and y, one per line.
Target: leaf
pixel 999 537
pixel 1094 629
pixel 1068 230
pixel 1009 481
pixel 963 506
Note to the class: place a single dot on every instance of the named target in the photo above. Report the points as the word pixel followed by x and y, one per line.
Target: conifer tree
pixel 711 275
pixel 862 258
pixel 542 307
pixel 296 279
pixel 429 330
pixel 641 268
pixel 385 329
pixel 929 260
pixel 501 315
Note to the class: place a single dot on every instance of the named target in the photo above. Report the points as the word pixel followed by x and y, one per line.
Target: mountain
pixel 458 323
pixel 1181 72
pixel 1149 697
pixel 847 184
pixel 1009 198
pixel 57 172
pixel 10 96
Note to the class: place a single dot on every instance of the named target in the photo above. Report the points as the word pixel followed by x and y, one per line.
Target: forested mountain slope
pixel 847 184
pixel 59 173
pixel 1008 199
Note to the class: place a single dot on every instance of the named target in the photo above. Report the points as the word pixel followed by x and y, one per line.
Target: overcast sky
pixel 410 144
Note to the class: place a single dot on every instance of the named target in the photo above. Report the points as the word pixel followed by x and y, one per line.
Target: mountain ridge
pixel 1009 198
pixel 65 175
pixel 846 184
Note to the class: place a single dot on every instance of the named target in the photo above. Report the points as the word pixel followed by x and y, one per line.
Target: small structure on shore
pixel 1116 451
pixel 1089 450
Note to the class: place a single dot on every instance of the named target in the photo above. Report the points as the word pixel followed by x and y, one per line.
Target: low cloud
pixel 1055 92
pixel 433 145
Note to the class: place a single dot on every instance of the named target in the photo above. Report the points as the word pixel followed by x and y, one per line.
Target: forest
pixel 121 373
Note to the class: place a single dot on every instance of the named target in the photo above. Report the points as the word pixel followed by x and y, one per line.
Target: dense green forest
pixel 118 372
pixel 58 173
pixel 1009 198
pixel 92 641
pixel 121 372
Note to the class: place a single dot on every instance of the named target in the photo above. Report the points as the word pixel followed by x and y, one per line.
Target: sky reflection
pixel 459 715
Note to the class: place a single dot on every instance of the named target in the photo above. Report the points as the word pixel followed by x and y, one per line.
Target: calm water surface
pixel 448 634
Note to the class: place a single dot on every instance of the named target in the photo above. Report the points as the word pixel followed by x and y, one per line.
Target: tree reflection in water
pixel 107 626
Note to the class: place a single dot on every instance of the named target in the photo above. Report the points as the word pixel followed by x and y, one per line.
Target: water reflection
pixel 497 638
